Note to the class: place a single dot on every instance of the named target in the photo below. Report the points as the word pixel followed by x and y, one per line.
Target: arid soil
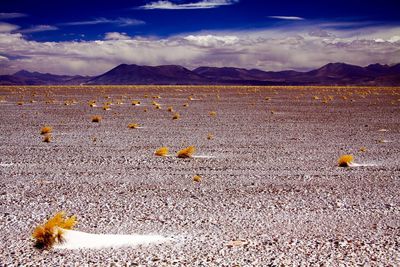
pixel 271 192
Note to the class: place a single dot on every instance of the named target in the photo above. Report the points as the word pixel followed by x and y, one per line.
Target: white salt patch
pixel 203 156
pixel 362 165
pixel 78 240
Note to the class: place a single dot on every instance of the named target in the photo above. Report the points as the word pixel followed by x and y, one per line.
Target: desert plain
pixel 270 194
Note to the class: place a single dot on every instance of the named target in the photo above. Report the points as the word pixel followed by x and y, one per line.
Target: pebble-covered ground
pixel 271 192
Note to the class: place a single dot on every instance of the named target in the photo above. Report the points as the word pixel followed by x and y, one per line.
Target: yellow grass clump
pixel 186 152
pixel 133 125
pixel 210 136
pixel 96 118
pixel 363 149
pixel 186 105
pixel 106 107
pixel 176 116
pixel 162 151
pixel 213 113
pixel 51 232
pixel 345 160
pixel 135 102
pixel 20 103
pixel 197 178
pixel 46 130
pixel 170 109
pixel 47 138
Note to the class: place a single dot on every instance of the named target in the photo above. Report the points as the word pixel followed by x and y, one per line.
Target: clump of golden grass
pixel 135 102
pixel 145 110
pixel 186 105
pixel 96 118
pixel 156 96
pixel 176 116
pixel 162 151
pixel 92 103
pixel 20 103
pixel 170 109
pixel 47 138
pixel 345 160
pixel 267 98
pixel 197 178
pixel 133 125
pixel 190 98
pixel 186 152
pixel 363 149
pixel 316 97
pixel 106 107
pixel 51 232
pixel 46 130
pixel 210 136
pixel 213 113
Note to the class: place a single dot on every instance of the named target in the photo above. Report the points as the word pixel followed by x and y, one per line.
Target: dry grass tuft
pixel 186 105
pixel 133 125
pixel 135 102
pixel 20 103
pixel 186 152
pixel 47 138
pixel 210 136
pixel 162 151
pixel 170 109
pixel 51 232
pixel 46 130
pixel 176 116
pixel 197 178
pixel 363 149
pixel 96 118
pixel 213 113
pixel 345 160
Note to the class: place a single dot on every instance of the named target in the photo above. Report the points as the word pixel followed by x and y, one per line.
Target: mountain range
pixel 330 74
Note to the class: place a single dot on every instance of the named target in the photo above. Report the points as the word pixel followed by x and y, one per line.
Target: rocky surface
pixel 270 195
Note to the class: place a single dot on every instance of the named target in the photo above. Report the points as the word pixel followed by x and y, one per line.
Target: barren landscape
pixel 270 191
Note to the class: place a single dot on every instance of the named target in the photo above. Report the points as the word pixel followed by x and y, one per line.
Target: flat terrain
pixel 269 174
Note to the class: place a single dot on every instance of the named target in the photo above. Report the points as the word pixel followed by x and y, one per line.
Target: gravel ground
pixel 271 180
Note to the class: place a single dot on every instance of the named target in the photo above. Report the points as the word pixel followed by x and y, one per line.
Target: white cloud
pixel 286 17
pixel 211 40
pixel 39 28
pixel 116 36
pixel 6 27
pixel 11 15
pixel 267 49
pixel 195 5
pixel 118 21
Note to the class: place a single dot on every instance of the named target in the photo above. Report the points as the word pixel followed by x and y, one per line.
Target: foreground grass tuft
pixel 51 232
pixel 345 160
pixel 96 118
pixel 46 130
pixel 186 152
pixel 162 151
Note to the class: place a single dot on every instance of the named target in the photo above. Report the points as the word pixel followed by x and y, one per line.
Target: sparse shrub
pixel 162 151
pixel 145 110
pixel 135 102
pixel 106 107
pixel 176 116
pixel 210 136
pixel 213 113
pixel 186 152
pixel 267 98
pixel 345 160
pixel 46 130
pixel 197 178
pixel 51 232
pixel 133 125
pixel 96 118
pixel 170 109
pixel 186 105
pixel 47 138
pixel 20 103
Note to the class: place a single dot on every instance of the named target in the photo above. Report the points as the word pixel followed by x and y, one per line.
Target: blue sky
pixel 89 37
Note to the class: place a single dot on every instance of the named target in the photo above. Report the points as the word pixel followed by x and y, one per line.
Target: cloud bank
pixel 299 48
pixel 204 4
